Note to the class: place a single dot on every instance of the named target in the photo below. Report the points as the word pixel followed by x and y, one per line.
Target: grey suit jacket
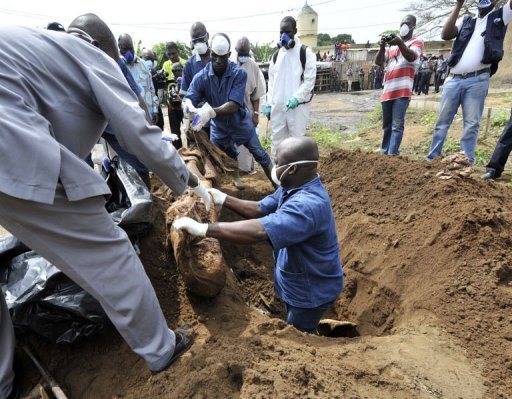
pixel 57 93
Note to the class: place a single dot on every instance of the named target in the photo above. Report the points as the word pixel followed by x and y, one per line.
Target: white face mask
pixel 404 30
pixel 201 48
pixel 273 174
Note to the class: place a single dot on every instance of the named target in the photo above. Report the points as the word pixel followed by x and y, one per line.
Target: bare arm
pixel 380 58
pixel 227 108
pixel 243 232
pixel 246 209
pixel 256 107
pixel 450 30
pixel 408 54
pixel 256 103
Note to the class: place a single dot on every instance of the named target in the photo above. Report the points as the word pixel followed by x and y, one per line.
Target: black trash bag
pixel 130 202
pixel 10 247
pixel 43 300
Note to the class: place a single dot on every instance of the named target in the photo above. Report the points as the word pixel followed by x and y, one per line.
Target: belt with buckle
pixel 470 74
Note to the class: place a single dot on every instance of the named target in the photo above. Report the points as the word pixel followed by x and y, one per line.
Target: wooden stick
pixel 487 125
pixel 56 390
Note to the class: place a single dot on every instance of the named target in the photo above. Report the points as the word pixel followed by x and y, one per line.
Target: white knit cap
pixel 220 45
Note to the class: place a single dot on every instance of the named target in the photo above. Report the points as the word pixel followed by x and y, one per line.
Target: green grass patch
pixel 500 118
pixel 266 141
pixel 429 120
pixel 371 122
pixel 324 136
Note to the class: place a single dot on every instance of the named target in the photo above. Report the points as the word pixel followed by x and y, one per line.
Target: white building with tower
pixel 307 26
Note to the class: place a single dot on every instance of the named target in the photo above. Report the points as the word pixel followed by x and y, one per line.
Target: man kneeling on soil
pixel 298 220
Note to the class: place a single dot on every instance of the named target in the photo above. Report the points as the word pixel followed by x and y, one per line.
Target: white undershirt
pixel 472 56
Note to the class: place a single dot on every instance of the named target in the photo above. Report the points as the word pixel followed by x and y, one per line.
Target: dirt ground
pixel 428 283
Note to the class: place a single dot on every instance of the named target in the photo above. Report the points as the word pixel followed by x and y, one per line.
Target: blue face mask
pixel 128 56
pixel 484 3
pixel 286 41
pixel 243 58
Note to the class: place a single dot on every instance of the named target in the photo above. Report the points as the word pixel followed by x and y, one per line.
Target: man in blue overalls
pixel 299 222
pixel 222 85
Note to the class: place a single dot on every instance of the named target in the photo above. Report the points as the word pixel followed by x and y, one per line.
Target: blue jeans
pixel 393 116
pixel 226 144
pixel 304 319
pixel 470 93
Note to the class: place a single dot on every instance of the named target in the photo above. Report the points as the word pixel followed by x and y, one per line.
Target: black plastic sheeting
pixel 40 297
pixel 43 300
pixel 130 202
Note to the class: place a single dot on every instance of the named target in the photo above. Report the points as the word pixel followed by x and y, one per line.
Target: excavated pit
pixel 428 283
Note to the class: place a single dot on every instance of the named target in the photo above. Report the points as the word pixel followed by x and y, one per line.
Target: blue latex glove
pixel 292 103
pixel 267 109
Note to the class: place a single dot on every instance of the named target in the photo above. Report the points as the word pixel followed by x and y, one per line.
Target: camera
pixel 160 78
pixel 389 37
pixel 173 96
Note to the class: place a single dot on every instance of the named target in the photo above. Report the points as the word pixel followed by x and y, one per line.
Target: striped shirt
pixel 399 77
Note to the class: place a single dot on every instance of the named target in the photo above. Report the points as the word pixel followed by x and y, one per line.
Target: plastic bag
pixel 10 247
pixel 43 300
pixel 130 203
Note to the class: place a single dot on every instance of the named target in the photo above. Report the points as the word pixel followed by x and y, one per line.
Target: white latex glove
pixel 218 196
pixel 98 154
pixel 203 116
pixel 190 226
pixel 188 109
pixel 170 137
pixel 200 191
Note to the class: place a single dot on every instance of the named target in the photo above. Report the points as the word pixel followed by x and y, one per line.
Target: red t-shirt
pixel 399 73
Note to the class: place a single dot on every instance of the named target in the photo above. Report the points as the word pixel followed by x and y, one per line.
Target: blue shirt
pixel 142 75
pixel 300 225
pixel 192 67
pixel 129 77
pixel 216 92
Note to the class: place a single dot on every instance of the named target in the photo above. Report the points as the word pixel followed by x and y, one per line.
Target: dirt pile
pixel 412 242
pixel 429 284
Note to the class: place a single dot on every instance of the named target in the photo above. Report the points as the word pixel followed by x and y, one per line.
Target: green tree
pixel 324 39
pixel 262 53
pixel 342 37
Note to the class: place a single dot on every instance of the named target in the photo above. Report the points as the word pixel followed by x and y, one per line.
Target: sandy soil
pixel 428 282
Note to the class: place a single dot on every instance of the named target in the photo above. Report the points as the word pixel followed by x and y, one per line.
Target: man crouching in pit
pixel 299 222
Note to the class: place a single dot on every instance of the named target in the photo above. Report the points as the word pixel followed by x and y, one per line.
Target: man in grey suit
pixel 57 93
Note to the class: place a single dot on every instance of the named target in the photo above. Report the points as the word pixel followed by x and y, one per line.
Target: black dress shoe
pixel 184 340
pixel 489 175
pixel 15 393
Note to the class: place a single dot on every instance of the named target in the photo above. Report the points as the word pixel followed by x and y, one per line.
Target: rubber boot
pixel 235 176
pixel 268 173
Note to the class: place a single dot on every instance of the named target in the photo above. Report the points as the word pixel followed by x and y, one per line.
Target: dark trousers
pixel 160 123
pixel 378 82
pixel 424 82
pixel 175 119
pixel 502 151
pixel 416 82
pixel 305 319
pixel 437 81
